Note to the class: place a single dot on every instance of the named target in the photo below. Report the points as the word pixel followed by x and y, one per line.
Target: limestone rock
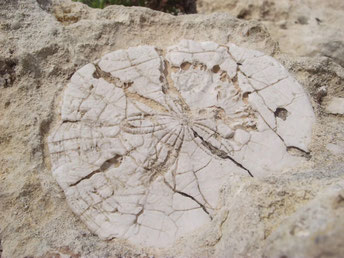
pixel 143 146
pixel 335 106
pixel 304 28
pixel 315 230
pixel 260 216
pixel 336 148
pixel 46 42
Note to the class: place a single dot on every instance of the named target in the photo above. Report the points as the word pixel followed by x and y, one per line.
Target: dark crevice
pixel 220 153
pixel 188 196
pixel 138 215
pixel 281 113
pixel 115 162
pixel 245 97
pixel 185 66
pixel 99 73
pixel 215 69
pixel 86 177
pixel 7 72
pixel 70 121
pixel 192 198
pixel 295 151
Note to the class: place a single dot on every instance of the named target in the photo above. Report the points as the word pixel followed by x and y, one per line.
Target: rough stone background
pixel 302 27
pixel 42 43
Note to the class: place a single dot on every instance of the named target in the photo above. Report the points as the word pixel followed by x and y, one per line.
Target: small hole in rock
pixel 244 14
pixel 245 97
pixel 96 75
pixel 215 69
pixel 302 20
pixel 115 162
pixel 127 85
pixel 281 113
pixel 203 67
pixel 185 66
pixel 318 20
pixel 7 72
pixel 202 111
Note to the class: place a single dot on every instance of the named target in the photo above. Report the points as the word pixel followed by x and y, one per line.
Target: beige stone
pixel 46 42
pixel 304 28
pixel 336 148
pixel 302 235
pixel 138 143
pixel 335 106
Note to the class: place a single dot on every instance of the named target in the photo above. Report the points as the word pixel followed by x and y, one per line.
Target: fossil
pixel 148 137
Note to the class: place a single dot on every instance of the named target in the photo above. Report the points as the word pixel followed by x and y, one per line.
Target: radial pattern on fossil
pixel 146 141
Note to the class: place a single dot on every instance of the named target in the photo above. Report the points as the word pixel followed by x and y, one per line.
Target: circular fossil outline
pixel 145 141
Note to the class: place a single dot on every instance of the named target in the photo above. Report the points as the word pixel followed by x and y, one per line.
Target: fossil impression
pixel 147 138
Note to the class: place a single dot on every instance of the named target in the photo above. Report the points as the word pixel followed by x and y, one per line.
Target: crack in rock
pixel 220 153
pixel 115 161
pixel 146 141
pixel 192 198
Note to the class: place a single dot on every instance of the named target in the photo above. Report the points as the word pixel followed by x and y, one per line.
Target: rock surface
pixel 47 42
pixel 141 135
pixel 302 234
pixel 304 28
pixel 335 106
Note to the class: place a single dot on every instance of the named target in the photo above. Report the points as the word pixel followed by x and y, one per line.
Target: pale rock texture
pixel 302 27
pixel 335 106
pixel 146 142
pixel 46 42
pixel 302 234
pixel 336 148
pixel 291 195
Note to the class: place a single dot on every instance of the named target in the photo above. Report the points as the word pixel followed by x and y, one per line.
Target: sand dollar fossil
pixel 147 137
